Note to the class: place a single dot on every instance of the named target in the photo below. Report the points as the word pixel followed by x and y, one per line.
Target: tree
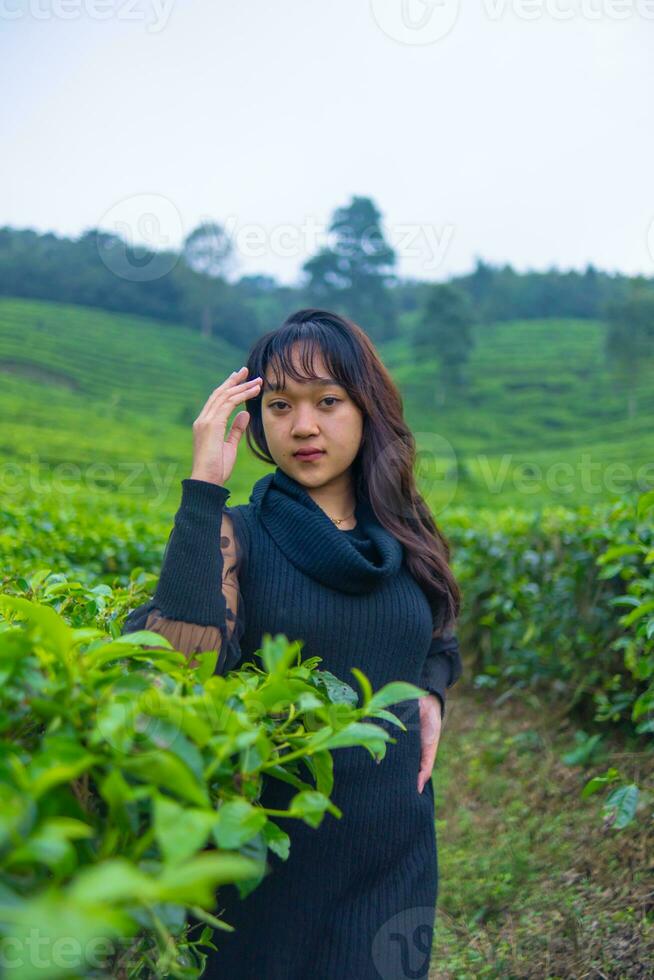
pixel 480 282
pixel 445 329
pixel 630 339
pixel 352 276
pixel 208 253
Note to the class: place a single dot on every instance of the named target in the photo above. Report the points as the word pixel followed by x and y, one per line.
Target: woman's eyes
pixel 327 398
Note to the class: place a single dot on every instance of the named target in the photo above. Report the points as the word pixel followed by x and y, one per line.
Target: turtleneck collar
pixel 312 542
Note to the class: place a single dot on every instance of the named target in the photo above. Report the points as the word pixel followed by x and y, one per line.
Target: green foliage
pixel 130 783
pixel 503 293
pixel 630 337
pixel 544 600
pixel 445 329
pixel 103 270
pixel 544 594
pixel 530 430
pixel 351 275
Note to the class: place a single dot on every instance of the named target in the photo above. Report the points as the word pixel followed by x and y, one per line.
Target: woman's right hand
pixel 213 455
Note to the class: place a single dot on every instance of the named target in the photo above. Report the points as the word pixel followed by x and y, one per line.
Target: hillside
pixel 82 386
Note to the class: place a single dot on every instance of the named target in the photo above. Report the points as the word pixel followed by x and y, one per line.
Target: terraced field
pixel 541 419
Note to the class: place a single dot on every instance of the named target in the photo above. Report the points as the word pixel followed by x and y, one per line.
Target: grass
pixel 533 884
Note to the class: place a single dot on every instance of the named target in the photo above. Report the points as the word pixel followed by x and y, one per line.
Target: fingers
pixel 230 393
pixel 235 380
pixel 423 778
pixel 430 732
pixel 238 427
pixel 427 761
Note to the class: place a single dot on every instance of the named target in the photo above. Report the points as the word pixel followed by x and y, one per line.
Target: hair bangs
pixel 309 339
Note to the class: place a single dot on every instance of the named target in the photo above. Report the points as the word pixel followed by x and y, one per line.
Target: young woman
pixel 335 547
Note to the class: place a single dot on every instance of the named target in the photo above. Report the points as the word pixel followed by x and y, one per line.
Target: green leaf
pixel 358 733
pixel 618 551
pixel 180 831
pixel 52 631
pixel 322 767
pixel 62 772
pixel 584 750
pixel 112 881
pixel 120 650
pixel 277 839
pixel 364 684
pixel 623 803
pixel 311 806
pixel 164 770
pixel 194 882
pixel 645 503
pixel 390 717
pixel 394 692
pixel 279 653
pixel 206 668
pixel 236 822
pixel 636 614
pixel 337 690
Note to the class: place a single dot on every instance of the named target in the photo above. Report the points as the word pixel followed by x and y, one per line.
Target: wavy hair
pixel 383 468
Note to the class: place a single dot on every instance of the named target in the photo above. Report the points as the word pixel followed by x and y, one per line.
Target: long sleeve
pixel 198 604
pixel 442 666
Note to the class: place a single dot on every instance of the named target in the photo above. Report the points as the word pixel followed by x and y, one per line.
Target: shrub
pixel 130 782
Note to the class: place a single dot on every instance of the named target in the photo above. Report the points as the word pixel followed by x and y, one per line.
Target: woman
pixel 337 548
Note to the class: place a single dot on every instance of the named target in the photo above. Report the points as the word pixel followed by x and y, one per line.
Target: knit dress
pixel 356 898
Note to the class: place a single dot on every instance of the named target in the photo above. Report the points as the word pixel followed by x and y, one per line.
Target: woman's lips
pixel 307 457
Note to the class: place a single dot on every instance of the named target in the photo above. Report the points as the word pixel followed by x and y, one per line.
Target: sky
pixel 516 131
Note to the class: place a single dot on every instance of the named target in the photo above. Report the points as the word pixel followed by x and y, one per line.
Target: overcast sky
pixel 516 130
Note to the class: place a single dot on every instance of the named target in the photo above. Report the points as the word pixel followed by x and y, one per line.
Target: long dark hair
pixel 383 467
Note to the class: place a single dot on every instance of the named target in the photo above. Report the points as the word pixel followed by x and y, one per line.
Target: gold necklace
pixel 340 520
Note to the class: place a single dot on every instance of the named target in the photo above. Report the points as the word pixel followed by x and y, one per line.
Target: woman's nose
pixel 304 422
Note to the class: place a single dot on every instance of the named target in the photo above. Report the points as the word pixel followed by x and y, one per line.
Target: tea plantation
pixel 541 475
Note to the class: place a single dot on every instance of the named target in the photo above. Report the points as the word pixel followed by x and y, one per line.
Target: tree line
pixel 355 275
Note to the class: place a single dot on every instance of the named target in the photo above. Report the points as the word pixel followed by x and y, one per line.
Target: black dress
pixel 356 898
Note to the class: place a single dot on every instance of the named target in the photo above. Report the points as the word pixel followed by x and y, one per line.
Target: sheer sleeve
pixel 198 603
pixel 442 667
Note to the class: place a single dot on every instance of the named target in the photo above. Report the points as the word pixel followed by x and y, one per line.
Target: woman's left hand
pixel 430 733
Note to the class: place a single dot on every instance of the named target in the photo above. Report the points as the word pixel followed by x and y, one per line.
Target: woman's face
pixel 311 413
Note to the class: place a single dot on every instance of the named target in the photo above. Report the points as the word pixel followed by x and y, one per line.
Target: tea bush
pixel 544 600
pixel 130 782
